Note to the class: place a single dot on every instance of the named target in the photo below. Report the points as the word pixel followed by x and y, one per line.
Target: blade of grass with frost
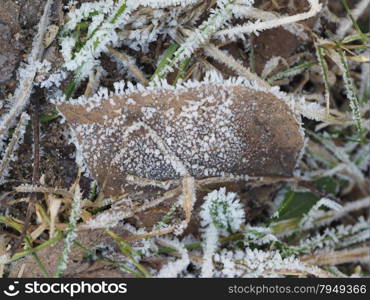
pixel 107 260
pixel 27 74
pixel 252 59
pixel 365 82
pixel 129 252
pixel 324 73
pixel 221 212
pixel 354 37
pixel 291 226
pixel 240 30
pixel 338 237
pixel 346 24
pixel 351 93
pixel 9 152
pixel 84 60
pixel 102 36
pixel 257 263
pixel 24 253
pixel 201 35
pixel 229 61
pixel 315 212
pixel 339 153
pixel 71 232
pixel 173 269
pixel 165 59
pixel 291 71
pixel 163 223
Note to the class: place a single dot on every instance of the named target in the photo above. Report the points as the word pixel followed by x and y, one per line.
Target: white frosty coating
pixel 239 30
pixel 222 209
pixel 145 246
pixel 102 30
pixel 54 79
pixel 141 30
pixel 142 152
pixel 315 211
pixel 210 243
pixel 4 258
pixel 240 11
pixel 107 219
pixel 166 3
pixel 341 154
pixel 270 65
pixel 201 35
pixel 211 77
pixel 173 269
pixel 71 231
pixel 259 235
pixel 256 263
pixel 27 74
pixel 297 30
pixel 16 140
pixel 362 157
pixel 338 237
pixel 105 35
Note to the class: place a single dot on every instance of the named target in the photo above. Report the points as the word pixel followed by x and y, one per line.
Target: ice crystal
pixel 223 210
pixel 257 263
pixel 27 74
pixel 338 237
pixel 104 18
pixel 71 232
pixel 16 140
pixel 315 211
pixel 173 269
pixel 239 30
pixel 201 35
pixel 259 235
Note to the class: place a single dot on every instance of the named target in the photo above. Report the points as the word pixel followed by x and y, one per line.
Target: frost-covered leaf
pixel 212 128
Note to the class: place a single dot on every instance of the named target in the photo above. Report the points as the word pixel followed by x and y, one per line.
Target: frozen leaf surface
pixel 212 128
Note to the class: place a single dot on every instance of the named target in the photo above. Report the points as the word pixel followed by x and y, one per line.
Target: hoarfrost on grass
pixel 257 263
pixel 173 269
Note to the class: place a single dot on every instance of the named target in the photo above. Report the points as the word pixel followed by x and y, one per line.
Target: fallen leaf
pixel 212 129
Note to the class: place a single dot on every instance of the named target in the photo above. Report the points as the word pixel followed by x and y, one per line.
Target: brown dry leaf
pixel 214 128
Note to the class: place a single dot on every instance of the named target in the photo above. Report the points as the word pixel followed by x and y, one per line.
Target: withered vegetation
pixel 184 138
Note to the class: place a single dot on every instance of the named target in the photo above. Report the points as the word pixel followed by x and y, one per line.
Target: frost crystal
pixel 338 237
pixel 173 269
pixel 223 210
pixel 257 263
pixel 220 211
pixel 315 211
pixel 239 30
pixel 71 232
